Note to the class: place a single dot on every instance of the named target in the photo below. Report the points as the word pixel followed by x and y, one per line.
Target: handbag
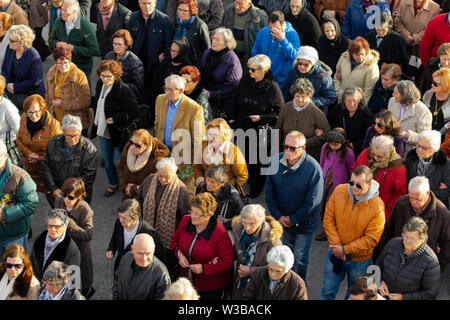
pixel 13 152
pixel 126 132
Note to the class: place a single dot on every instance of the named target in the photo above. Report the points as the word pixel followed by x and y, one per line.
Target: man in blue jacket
pixel 280 42
pixel 293 196
pixel 18 200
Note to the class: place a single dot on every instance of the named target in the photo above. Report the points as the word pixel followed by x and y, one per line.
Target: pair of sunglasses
pixel 352 183
pixel 137 145
pixel 68 197
pixel 436 84
pixel 10 265
pixel 291 148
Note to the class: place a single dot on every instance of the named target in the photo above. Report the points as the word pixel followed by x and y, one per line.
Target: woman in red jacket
pixel 204 249
pixel 387 168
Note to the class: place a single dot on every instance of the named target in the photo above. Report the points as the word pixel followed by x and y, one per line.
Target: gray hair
pixel 167 162
pixel 3 148
pixel 180 287
pixel 144 237
pixel 61 214
pixel 419 184
pixel 414 224
pixel 71 122
pixel 218 174
pixel 302 86
pixel 260 61
pixel 281 256
pixel 131 208
pixel 74 5
pixel 382 142
pixel 297 135
pixel 357 92
pixel 56 271
pixel 179 81
pixel 433 137
pixel 385 20
pixel 255 211
pixel 23 33
pixel 409 92
pixel 228 37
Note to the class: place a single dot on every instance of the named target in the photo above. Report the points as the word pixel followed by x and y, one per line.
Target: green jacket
pixel 17 217
pixel 82 37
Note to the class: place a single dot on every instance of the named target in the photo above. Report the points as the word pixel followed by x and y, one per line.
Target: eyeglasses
pixel 71 136
pixel 378 156
pixel 302 64
pixel 169 89
pixel 196 215
pixel 291 148
pixel 352 183
pixel 419 146
pixel 13 41
pixel 137 145
pixel 279 272
pixel 106 76
pixel 63 63
pixel 253 69
pixel 54 226
pixel 168 177
pixel 69 197
pixel 379 125
pixel 436 84
pixel 115 44
pixel 12 265
pixel 183 10
pixel 30 113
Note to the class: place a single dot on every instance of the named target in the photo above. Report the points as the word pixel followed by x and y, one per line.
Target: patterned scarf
pixel 422 166
pixel 385 164
pixel 405 258
pixel 247 246
pixel 45 295
pixel 166 211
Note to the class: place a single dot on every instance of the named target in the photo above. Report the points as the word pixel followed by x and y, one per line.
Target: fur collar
pixel 372 58
pixel 207 233
pixel 276 229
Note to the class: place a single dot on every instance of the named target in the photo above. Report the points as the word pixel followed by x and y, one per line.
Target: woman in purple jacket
pixel 336 161
pixel 221 72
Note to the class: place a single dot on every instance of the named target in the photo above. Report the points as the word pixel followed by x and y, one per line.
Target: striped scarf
pixel 405 258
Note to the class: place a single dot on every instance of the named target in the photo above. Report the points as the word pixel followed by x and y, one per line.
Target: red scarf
pixel 417 8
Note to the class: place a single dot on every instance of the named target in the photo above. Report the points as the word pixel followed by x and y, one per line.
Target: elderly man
pixel 293 196
pixel 76 33
pixel 353 221
pixel 175 111
pixel 152 33
pixel 69 155
pixel 18 202
pixel 245 20
pixel 280 42
pixel 387 168
pixel 422 202
pixel 141 275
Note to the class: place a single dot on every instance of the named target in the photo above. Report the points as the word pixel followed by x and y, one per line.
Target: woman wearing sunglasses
pixel 80 227
pixel 437 99
pixel 17 281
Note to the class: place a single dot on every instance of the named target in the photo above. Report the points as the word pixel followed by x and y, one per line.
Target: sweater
pixel 436 33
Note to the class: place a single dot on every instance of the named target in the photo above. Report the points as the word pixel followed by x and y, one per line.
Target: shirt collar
pixel 176 104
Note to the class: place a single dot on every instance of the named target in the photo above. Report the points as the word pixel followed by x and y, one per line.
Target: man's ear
pixel 131 248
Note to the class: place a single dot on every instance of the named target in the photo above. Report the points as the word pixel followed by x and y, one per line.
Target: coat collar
pixel 207 233
pixel 439 158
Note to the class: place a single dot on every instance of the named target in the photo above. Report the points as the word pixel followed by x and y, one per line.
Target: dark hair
pixel 390 122
pixel 276 16
pixel 393 69
pixel 363 285
pixel 357 45
pixel 131 207
pixel 125 35
pixel 362 169
pixel 110 65
pixel 23 280
pixel 337 135
pixel 75 185
pixel 62 52
pixel 192 4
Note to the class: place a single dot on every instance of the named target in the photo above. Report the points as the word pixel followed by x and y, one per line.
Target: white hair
pixel 419 184
pixel 73 4
pixel 179 81
pixel 167 162
pixel 255 211
pixel 281 256
pixel 145 237
pixel 382 142
pixel 3 148
pixel 180 287
pixel 297 135
pixel 433 137
pixel 71 122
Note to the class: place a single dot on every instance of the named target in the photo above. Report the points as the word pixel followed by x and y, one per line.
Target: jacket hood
pixel 372 58
pixel 276 228
pixel 371 193
pixel 320 70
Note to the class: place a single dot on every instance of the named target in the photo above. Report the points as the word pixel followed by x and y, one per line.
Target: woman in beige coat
pixel 357 67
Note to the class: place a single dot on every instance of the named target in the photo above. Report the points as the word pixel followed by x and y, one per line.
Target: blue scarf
pixel 247 245
pixel 53 16
pixel 183 27
pixel 6 8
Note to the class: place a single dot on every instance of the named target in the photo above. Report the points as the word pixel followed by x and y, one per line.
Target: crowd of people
pixel 355 93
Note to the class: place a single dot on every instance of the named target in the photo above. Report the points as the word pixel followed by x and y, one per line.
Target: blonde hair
pixel 23 33
pixel 261 61
pixel 143 135
pixel 444 78
pixel 223 126
pixel 180 287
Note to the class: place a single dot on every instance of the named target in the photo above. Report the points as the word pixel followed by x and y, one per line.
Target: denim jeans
pixel 111 156
pixel 332 281
pixel 22 241
pixel 299 243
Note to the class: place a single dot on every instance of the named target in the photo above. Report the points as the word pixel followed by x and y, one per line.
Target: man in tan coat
pixel 180 125
pixel 18 15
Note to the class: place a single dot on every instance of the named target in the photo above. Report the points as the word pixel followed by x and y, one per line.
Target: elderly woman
pixel 193 28
pixel 307 65
pixel 434 64
pixel 390 44
pixel 5 24
pixel 257 102
pixel 54 244
pixel 22 66
pixel 428 160
pixel 304 22
pixel 409 267
pixel 181 289
pixel 37 127
pixel 67 89
pixel 221 71
pixel 254 234
pixel 80 227
pixel 386 124
pixel 116 107
pixel 17 280
pixel 164 200
pixel 69 155
pixel 332 43
pixel 359 14
pixel 132 66
pixel 56 281
pixel 413 115
pixel 437 99
pixel 128 224
pixel 387 168
pixel 219 150
pixel 229 202
pixel 203 248
pixel 9 116
pixel 303 115
pixel 353 116
pixel 384 87
pixel 276 280
pixel 357 67
pixel 138 160
pixel 194 90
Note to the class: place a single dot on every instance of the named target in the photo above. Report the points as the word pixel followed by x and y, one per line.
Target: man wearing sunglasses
pixel 354 222
pixel 293 196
